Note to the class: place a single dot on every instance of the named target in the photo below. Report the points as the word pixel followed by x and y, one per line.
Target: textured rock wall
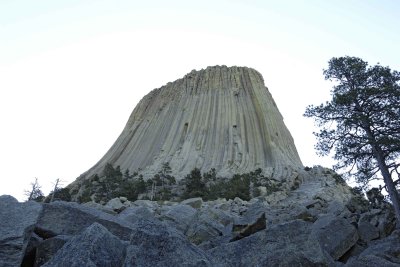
pixel 219 117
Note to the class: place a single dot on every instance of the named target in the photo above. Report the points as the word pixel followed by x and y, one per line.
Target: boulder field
pixel 319 223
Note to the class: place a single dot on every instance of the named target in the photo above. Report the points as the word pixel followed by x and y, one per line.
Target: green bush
pixel 237 186
pixel 62 194
pixel 195 186
pixel 85 196
pixel 132 188
pixel 209 187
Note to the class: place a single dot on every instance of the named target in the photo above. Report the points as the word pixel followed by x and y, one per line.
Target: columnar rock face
pixel 219 117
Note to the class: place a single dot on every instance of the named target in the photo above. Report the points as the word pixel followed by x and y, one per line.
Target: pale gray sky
pixel 72 71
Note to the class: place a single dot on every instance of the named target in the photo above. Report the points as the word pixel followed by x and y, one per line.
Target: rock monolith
pixel 219 117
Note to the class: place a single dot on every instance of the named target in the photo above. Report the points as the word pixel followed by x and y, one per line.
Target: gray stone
pixel 30 251
pixel 155 244
pixel 338 208
pixel 383 219
pixel 134 214
pixel 336 235
pixel 370 261
pixel 115 204
pixel 17 222
pixel 242 231
pixel 386 222
pixel 48 248
pixel 193 202
pixel 152 205
pixel 210 223
pixel 305 215
pixel 93 247
pixel 356 250
pixel 367 231
pixel 286 244
pixel 179 216
pixel 67 218
pixel 254 211
pixel 384 252
pixel 100 207
pixel 220 203
pixel 123 199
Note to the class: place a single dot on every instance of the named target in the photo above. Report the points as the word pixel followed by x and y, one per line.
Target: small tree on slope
pixel 361 122
pixel 35 193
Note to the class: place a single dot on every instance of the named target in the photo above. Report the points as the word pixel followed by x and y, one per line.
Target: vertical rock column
pixel 219 117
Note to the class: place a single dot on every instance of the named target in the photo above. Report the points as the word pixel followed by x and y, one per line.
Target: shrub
pixel 85 196
pixel 195 186
pixel 62 194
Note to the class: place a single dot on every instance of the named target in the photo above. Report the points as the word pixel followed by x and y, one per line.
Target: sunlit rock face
pixel 219 117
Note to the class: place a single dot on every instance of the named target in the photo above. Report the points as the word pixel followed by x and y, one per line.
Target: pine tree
pixel 35 193
pixel 361 123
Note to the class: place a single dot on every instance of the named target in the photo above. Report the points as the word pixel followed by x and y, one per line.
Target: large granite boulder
pixel 285 244
pixel 210 224
pixel 382 253
pixel 335 235
pixel 67 218
pixel 193 202
pixel 153 243
pixel 383 219
pixel 136 213
pixel 95 246
pixel 115 204
pixel 46 249
pixel 17 222
pixel 180 216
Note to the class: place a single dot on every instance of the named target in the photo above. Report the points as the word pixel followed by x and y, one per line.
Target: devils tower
pixel 273 212
pixel 219 117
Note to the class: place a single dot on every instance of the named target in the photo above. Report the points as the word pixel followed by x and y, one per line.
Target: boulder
pixel 386 221
pixel 154 244
pixel 286 244
pixel 254 211
pixel 384 252
pixel 179 216
pixel 382 219
pixel 275 197
pixel 133 214
pixel 115 204
pixel 100 207
pixel 30 251
pixel 95 246
pixel 210 223
pixel 17 222
pixel 48 248
pixel 193 202
pixel 242 231
pixel 335 235
pixel 220 203
pixel 67 218
pixel 238 206
pixel 367 231
pixel 152 205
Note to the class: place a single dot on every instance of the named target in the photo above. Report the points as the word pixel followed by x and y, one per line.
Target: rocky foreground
pixel 319 223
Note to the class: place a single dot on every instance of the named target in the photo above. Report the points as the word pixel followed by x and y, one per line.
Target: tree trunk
pixel 54 190
pixel 387 178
